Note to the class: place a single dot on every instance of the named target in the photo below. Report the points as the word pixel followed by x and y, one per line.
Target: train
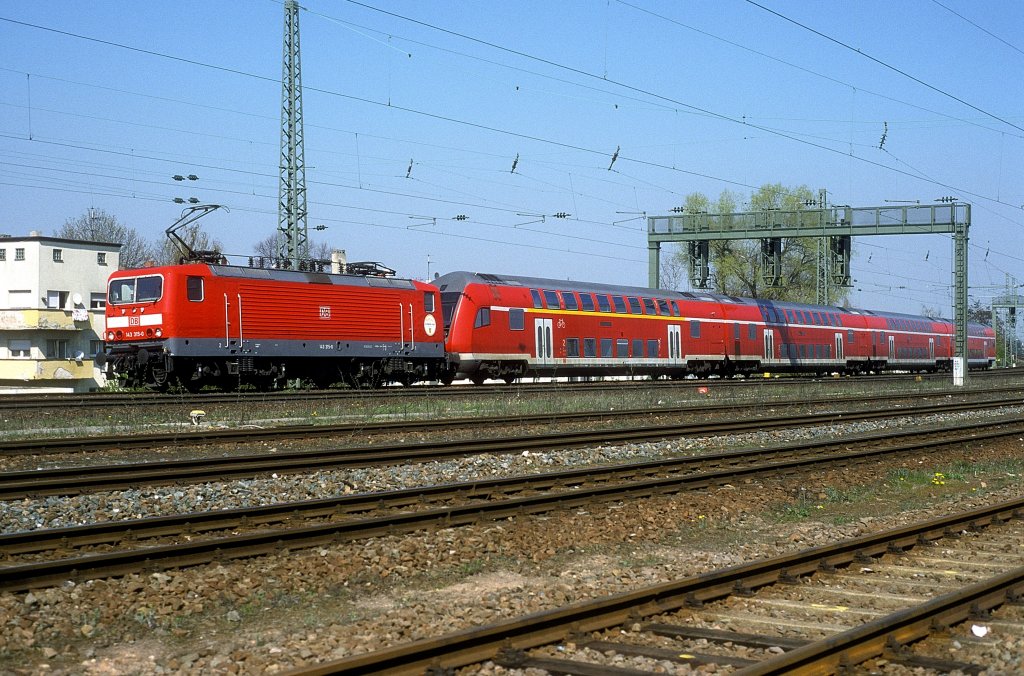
pixel 212 324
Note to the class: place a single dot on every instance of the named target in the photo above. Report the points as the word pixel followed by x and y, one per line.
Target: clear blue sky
pixel 698 96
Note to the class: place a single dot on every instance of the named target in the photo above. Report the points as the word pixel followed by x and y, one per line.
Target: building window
pixel 101 258
pixel 20 349
pixel 97 301
pixel 58 255
pixel 95 347
pixel 55 300
pixel 19 254
pixel 3 254
pixel 56 348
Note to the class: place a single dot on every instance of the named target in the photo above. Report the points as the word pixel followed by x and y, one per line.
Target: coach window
pixel 620 304
pixel 751 332
pixel 587 301
pixel 516 319
pixel 606 347
pixel 694 329
pixel 849 337
pixel 634 305
pixel 784 351
pixel 590 347
pixel 538 303
pixel 736 331
pixel 483 318
pixel 570 300
pixel 551 297
pixel 194 288
pixel 652 347
pixel 572 347
pixel 638 347
pixel 622 347
pixel 649 306
pixel 603 304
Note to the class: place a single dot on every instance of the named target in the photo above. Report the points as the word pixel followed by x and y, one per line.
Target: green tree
pixel 736 264
pixel 96 225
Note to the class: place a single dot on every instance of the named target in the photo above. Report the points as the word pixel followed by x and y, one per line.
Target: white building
pixel 52 298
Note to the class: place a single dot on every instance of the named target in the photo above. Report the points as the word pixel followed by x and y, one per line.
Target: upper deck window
pixel 603 303
pixel 570 300
pixel 136 289
pixel 537 302
pixel 620 304
pixel 551 298
pixel 587 301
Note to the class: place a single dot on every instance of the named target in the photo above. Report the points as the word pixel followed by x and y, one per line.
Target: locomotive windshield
pixel 135 290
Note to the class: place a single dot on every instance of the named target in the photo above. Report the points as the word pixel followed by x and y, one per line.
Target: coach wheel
pixel 478 378
pixel 509 379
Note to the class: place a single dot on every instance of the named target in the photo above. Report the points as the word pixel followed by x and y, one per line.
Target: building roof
pixel 4 239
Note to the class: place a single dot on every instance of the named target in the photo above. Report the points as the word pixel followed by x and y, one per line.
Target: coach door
pixel 542 333
pixel 769 344
pixel 931 349
pixel 892 348
pixel 675 344
pixel 840 355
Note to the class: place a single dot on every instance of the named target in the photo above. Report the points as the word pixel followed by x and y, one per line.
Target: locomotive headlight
pixel 110 335
pixel 149 333
pixel 119 334
pixel 159 333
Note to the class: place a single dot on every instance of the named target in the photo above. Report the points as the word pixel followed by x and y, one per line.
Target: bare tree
pixel 170 253
pixel 267 247
pixel 96 225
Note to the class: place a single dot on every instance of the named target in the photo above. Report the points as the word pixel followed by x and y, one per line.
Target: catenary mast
pixel 292 230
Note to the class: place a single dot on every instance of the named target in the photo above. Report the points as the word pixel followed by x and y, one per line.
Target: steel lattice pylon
pixel 292 230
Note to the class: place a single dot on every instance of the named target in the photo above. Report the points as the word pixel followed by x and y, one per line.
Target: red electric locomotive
pixel 222 325
pixel 504 327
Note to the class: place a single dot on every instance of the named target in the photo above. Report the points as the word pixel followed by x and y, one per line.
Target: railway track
pixel 73 480
pixel 860 599
pixel 102 400
pixel 47 557
pixel 196 437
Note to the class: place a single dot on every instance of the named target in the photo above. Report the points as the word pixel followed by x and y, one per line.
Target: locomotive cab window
pixel 194 288
pixel 483 318
pixel 428 301
pixel 135 290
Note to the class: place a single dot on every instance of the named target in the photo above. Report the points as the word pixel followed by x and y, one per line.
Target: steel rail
pixel 470 646
pixel 193 437
pixel 569 490
pixel 111 399
pixel 78 479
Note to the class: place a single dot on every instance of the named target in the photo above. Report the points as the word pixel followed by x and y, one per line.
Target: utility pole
pixel 824 279
pixel 292 230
